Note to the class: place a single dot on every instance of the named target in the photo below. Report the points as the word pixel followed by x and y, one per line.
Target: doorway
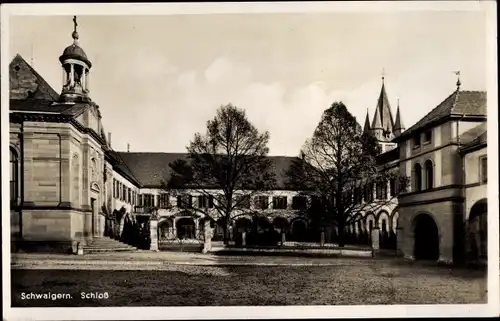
pixel 426 238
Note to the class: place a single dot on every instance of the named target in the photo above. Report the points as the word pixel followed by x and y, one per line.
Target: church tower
pixel 383 127
pixel 76 67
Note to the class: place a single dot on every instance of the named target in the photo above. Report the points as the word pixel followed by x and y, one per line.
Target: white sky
pixel 158 79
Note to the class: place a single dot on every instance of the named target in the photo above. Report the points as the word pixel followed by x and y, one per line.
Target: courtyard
pixel 181 279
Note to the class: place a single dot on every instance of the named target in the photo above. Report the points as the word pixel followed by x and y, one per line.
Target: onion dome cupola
pixel 76 67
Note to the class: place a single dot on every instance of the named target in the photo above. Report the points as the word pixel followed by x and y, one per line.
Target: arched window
pixel 417 177
pixel 14 177
pixel 429 174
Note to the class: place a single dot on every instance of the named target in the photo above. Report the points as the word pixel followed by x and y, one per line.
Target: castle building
pixel 66 181
pixel 443 215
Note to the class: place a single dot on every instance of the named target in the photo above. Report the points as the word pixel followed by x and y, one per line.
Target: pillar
pixel 322 241
pixel 375 240
pixel 174 228
pixel 153 230
pixel 196 227
pixel 207 242
pixel 243 238
pixel 283 237
pixel 72 75
pixel 446 247
pixel 83 80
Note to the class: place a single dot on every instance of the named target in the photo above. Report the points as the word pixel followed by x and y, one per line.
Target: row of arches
pixel 298 229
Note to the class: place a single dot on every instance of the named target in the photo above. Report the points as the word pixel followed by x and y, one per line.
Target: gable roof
pixel 151 169
pixel 25 82
pixel 459 103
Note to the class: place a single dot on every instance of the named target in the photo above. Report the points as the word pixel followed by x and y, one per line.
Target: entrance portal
pixel 426 238
pixel 478 230
pixel 185 228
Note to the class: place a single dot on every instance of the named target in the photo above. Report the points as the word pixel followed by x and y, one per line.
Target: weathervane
pixel 75 33
pixel 458 78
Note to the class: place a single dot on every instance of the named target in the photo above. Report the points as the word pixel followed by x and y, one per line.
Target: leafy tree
pixel 337 168
pixel 227 165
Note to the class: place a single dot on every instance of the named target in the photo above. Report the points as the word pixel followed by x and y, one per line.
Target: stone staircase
pixel 106 244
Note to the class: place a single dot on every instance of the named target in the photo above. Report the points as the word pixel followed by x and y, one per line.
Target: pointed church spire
pixel 398 125
pixel 366 128
pixel 384 109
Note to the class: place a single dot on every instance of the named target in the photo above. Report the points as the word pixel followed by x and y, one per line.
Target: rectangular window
pixel 368 194
pixel 164 203
pixel 184 201
pixel 124 192
pixel 299 202
pixel 427 136
pixel 416 141
pixel 114 188
pixel 392 187
pixel 262 202
pixel 378 191
pixel 148 200
pixel 129 195
pixel 279 202
pixel 210 201
pixel 141 200
pixel 243 201
pixel 483 163
pixel 202 201
pixel 132 195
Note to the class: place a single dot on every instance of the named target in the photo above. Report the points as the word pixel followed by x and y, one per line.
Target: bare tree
pixel 337 168
pixel 227 165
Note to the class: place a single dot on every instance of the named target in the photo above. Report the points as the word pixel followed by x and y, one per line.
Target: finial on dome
pixel 383 75
pixel 75 33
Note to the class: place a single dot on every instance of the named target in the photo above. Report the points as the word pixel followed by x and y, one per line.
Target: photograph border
pixel 267 312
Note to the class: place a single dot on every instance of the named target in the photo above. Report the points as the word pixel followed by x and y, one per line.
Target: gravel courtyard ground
pixel 323 282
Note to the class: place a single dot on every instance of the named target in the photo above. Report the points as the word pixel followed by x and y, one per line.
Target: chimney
pixel 109 139
pixel 128 148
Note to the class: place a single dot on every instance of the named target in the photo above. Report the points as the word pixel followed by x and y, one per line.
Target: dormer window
pixel 416 141
pixel 427 137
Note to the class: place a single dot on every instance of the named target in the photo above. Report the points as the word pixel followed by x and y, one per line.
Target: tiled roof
pixel 25 82
pixel 474 136
pixel 151 168
pixel 468 103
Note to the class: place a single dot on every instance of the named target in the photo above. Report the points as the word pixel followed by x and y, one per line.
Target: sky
pixel 159 79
